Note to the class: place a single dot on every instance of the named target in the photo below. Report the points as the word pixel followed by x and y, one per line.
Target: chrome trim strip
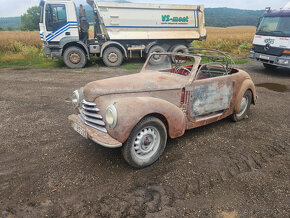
pixel 88 103
pixel 92 125
pixel 98 122
pixel 90 108
pixel 97 116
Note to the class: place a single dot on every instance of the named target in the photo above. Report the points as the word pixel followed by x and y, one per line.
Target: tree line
pixel 217 17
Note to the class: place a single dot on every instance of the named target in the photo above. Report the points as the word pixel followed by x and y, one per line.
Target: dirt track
pixel 224 169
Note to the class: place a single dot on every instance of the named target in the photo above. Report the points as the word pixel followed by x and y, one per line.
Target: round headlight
pixel 111 116
pixel 77 98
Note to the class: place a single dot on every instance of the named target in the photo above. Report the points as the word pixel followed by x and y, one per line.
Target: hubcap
pixel 243 106
pixel 146 143
pixel 156 57
pixel 112 57
pixel 75 58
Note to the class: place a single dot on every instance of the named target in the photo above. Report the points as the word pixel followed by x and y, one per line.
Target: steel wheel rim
pixel 113 57
pixel 75 58
pixel 244 105
pixel 146 142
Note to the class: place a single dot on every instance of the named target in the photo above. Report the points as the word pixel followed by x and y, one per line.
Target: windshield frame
pixel 277 32
pixel 190 77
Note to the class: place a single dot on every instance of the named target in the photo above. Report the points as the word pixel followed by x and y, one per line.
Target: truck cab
pixel 271 44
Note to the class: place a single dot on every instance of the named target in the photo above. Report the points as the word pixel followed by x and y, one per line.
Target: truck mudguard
pixel 106 44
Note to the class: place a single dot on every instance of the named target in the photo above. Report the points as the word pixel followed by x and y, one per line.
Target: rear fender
pixel 131 110
pixel 246 85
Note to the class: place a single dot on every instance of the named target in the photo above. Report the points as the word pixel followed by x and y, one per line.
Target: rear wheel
pixel 244 107
pixel 181 49
pixel 156 59
pixel 74 57
pixel 146 143
pixel 112 57
pixel 269 66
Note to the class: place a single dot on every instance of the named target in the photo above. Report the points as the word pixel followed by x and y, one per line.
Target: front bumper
pixel 282 61
pixel 97 136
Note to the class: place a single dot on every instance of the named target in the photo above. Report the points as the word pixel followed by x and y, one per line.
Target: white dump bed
pixel 124 21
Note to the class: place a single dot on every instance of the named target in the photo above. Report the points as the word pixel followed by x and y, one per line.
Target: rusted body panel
pixel 131 110
pixel 180 101
pixel 97 136
pixel 143 82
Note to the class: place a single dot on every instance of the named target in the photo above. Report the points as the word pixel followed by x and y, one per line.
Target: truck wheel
pixel 112 57
pixel 269 66
pixel 156 59
pixel 74 57
pixel 179 49
pixel 244 107
pixel 146 143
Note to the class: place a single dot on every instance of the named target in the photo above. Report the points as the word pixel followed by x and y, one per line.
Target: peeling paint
pixel 210 98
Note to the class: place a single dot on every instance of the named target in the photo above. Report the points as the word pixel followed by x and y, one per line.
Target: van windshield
pixel 274 26
pixel 178 64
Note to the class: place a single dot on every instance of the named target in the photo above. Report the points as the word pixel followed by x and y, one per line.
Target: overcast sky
pixel 11 8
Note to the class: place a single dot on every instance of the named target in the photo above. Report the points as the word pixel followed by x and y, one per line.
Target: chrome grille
pixel 89 115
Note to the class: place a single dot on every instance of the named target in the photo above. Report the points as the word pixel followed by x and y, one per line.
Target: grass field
pixel 18 48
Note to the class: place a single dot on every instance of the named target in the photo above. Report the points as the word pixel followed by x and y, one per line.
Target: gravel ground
pixel 224 169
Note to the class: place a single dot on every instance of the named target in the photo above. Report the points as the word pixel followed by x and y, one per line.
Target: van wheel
pixel 112 57
pixel 244 107
pixel 156 59
pixel 146 143
pixel 74 57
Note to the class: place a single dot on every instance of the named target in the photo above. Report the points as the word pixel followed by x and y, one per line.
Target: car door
pixel 210 94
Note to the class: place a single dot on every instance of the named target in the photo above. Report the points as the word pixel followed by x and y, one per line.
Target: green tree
pixel 30 20
pixel 1 28
pixel 9 28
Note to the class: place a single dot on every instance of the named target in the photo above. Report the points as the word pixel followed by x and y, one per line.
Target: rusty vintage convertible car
pixel 171 94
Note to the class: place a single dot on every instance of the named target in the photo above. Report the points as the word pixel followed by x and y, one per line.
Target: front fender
pixel 247 84
pixel 131 110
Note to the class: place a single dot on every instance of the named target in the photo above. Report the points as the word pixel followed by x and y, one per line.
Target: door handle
pixel 67 33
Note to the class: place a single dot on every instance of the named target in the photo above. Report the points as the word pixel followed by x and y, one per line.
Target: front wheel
pixel 244 107
pixel 146 143
pixel 74 57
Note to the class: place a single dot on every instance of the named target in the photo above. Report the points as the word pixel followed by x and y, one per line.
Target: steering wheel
pixel 182 68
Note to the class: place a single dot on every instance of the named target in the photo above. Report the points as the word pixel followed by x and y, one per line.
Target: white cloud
pixel 11 8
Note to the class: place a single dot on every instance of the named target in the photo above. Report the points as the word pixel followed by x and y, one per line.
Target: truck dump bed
pixel 125 21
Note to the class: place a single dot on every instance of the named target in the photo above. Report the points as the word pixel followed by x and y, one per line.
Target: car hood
pixel 140 82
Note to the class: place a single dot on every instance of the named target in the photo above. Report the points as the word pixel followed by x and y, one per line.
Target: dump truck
pixel 271 44
pixel 120 30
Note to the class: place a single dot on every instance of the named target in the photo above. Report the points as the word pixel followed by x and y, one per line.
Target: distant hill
pixel 225 17
pixel 13 22
pixel 216 17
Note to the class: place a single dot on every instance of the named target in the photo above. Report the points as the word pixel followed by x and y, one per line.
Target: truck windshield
pixel 274 26
pixel 178 64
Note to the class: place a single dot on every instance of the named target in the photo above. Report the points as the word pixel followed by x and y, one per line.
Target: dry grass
pixel 19 45
pixel 12 41
pixel 233 40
